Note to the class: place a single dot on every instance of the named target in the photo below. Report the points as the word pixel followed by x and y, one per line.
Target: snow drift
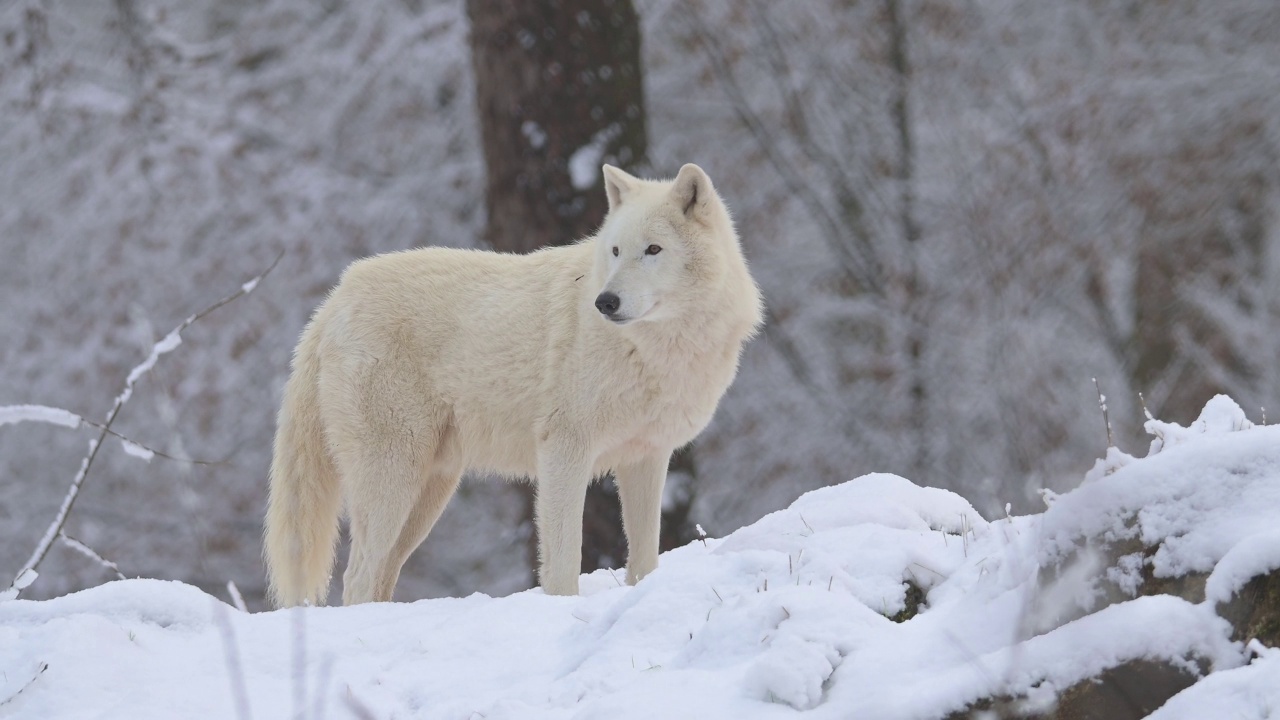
pixel 871 599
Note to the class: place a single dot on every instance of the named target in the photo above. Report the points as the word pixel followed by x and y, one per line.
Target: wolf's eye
pixel 615 251
pixel 653 250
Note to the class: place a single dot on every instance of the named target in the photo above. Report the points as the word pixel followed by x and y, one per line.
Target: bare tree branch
pixel 171 341
pixel 14 414
pixel 857 259
pixel 90 553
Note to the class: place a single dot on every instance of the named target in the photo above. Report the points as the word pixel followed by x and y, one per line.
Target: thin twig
pixel 68 419
pixel 926 567
pixel 148 448
pixel 1143 402
pixel 806 523
pixel 39 671
pixel 167 344
pixel 236 598
pixel 859 262
pixel 1106 419
pixel 357 707
pixel 90 553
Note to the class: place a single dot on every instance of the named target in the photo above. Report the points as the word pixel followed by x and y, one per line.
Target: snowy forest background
pixel 960 212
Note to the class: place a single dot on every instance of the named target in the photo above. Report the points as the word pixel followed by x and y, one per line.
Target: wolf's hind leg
pixel 436 491
pixel 381 495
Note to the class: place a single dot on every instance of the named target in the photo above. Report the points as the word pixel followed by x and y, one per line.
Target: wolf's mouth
pixel 620 321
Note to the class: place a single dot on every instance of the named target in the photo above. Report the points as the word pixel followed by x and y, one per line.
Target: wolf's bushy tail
pixel 304 499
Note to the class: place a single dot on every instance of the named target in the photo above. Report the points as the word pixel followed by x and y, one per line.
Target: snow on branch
pixel 90 553
pixel 28 573
pixel 14 414
pixel 1106 419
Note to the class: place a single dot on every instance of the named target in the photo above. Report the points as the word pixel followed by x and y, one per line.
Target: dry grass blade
pixel 39 671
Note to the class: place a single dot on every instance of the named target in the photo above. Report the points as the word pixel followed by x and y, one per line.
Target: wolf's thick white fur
pixel 426 363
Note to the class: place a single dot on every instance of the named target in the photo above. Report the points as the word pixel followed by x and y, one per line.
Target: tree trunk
pixel 559 90
pixel 912 305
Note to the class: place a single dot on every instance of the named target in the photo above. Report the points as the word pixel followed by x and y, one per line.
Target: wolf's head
pixel 667 248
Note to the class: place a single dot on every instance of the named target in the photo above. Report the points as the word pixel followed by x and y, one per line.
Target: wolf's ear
pixel 617 183
pixel 692 191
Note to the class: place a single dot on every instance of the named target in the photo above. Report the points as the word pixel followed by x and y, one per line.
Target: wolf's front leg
pixel 564 472
pixel 640 488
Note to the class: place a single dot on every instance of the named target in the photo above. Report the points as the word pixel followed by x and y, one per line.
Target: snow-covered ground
pixel 791 614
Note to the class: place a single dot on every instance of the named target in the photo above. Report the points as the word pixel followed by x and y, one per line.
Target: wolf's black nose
pixel 608 303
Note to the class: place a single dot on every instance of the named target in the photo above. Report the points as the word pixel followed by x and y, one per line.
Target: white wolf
pixel 559 366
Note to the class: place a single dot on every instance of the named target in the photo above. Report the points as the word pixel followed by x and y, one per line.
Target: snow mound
pixel 1220 415
pixel 1200 492
pixel 1244 693
pixel 794 613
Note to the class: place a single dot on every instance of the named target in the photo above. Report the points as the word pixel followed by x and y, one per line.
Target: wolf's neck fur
pixel 721 325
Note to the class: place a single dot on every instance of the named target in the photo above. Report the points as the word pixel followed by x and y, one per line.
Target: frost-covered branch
pixel 857 259
pixel 14 414
pixel 236 598
pixel 90 553
pixel 28 573
pixel 1106 418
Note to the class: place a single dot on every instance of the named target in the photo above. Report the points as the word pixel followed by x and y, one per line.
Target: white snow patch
pixel 236 598
pixel 135 450
pixel 1200 494
pixel 1251 692
pixel 1220 415
pixel 172 340
pixel 1254 555
pixel 584 164
pixel 20 583
pixel 14 414
pixel 534 133
pixel 165 345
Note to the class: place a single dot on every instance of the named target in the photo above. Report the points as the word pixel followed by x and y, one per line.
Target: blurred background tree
pixel 960 212
pixel 559 90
